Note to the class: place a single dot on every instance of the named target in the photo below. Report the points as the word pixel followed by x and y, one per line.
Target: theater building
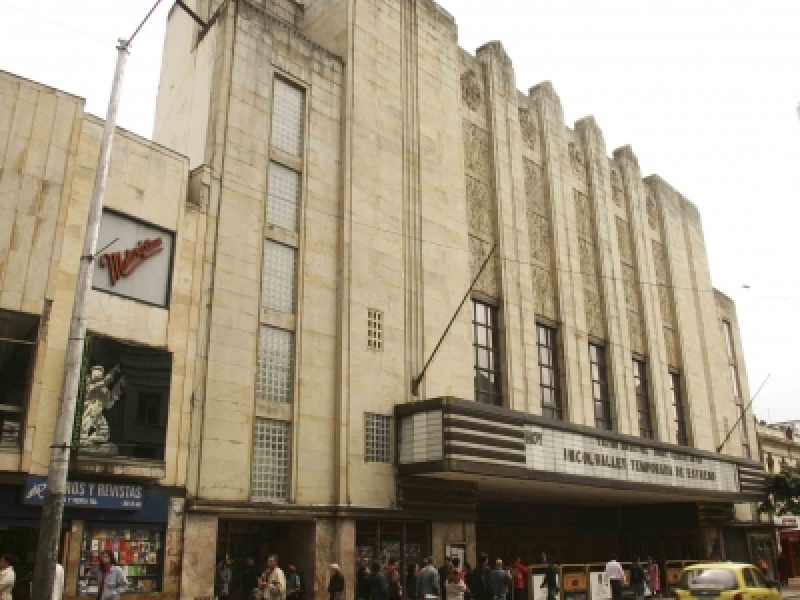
pixel 360 169
pixel 128 472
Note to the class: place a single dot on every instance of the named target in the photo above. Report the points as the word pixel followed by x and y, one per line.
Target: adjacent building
pixel 362 297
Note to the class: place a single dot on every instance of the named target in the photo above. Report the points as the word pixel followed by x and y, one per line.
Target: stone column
pixel 199 554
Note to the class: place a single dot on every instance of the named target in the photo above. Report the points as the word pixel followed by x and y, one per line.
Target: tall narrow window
pixel 548 372
pixel 678 409
pixel 488 387
pixel 18 334
pixel 288 116
pixel 274 376
pixel 736 388
pixel 270 471
pixel 602 403
pixel 283 197
pixel 642 399
pixel 278 279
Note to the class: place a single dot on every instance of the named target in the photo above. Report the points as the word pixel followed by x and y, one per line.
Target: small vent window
pixel 378 436
pixel 374 329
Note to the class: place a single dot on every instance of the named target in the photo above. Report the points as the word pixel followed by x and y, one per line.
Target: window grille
pixel 486 346
pixel 274 376
pixel 378 436
pixel 602 402
pixel 271 452
pixel 548 372
pixel 374 329
pixel 678 409
pixel 279 277
pixel 288 115
pixel 283 197
pixel 642 399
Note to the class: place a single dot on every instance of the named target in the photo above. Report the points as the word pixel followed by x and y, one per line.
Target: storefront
pixel 543 487
pixel 788 527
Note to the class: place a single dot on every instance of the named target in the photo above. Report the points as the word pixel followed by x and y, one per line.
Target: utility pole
pixel 55 496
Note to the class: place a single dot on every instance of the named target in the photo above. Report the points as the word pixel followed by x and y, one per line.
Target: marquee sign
pixel 571 453
pixel 137 260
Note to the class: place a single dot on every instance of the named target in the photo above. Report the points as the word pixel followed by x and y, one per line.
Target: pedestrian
pixel 111 581
pixel 395 581
pixel 7 576
pixel 249 578
pixel 454 588
pixel 336 583
pixel 378 583
pixel 455 565
pixel 363 580
pixel 762 565
pixel 444 571
pixel 520 574
pixel 222 581
pixel 478 581
pixel 466 575
pixel 615 576
pixel 294 585
pixel 638 579
pixel 273 582
pixel 58 583
pixel 412 573
pixel 429 582
pixel 500 581
pixel 550 580
pixel 653 577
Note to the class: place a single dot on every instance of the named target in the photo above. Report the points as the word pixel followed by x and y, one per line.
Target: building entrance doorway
pixel 239 540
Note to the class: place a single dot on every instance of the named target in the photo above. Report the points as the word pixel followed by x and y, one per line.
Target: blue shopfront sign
pixel 88 494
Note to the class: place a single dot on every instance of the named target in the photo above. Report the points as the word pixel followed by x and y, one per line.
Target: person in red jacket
pixel 519 573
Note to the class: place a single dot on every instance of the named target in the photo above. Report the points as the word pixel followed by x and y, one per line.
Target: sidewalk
pixel 792 590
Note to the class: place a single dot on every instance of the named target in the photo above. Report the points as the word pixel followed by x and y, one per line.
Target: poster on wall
pixel 135 259
pixel 123 399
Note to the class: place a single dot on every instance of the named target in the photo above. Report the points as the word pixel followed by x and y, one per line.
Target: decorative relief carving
pixel 476 151
pixel 583 214
pixel 660 263
pixel 534 188
pixel 616 188
pixel 471 90
pixel 665 303
pixel 487 282
pixel 577 161
pixel 543 292
pixel 594 312
pixel 624 240
pixel 480 216
pixel 636 332
pixel 527 124
pixel 671 343
pixel 652 214
pixel 539 227
pixel 586 249
pixel 629 285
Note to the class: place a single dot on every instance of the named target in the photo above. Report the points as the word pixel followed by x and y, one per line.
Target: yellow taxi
pixel 725 581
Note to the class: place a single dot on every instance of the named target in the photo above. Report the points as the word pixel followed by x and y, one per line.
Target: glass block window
pixel 278 277
pixel 678 413
pixel 602 402
pixel 642 399
pixel 486 346
pixel 283 197
pixel 374 329
pixel 378 439
pixel 548 372
pixel 288 115
pixel 271 452
pixel 274 376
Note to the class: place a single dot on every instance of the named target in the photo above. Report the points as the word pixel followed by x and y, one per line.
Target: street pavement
pixel 792 590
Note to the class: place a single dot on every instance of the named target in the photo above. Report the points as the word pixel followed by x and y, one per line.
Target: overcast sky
pixel 706 93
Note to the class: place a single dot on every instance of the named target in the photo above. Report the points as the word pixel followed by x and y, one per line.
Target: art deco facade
pixel 350 171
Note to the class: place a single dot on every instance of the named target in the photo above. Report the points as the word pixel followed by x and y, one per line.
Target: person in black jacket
pixel 637 579
pixel 379 584
pixel 478 580
pixel 336 583
pixel 363 580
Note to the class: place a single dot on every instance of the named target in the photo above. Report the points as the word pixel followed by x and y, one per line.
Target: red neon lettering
pixel 124 265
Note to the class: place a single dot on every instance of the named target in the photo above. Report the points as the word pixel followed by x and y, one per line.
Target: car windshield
pixel 713 580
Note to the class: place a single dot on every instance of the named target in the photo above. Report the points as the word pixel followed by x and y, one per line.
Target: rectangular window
pixel 18 335
pixel 275 357
pixel 148 409
pixel 271 451
pixel 488 388
pixel 728 332
pixel 279 277
pixel 642 399
pixel 374 329
pixel 678 409
pixel 288 116
pixel 548 372
pixel 378 438
pixel 602 403
pixel 283 197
